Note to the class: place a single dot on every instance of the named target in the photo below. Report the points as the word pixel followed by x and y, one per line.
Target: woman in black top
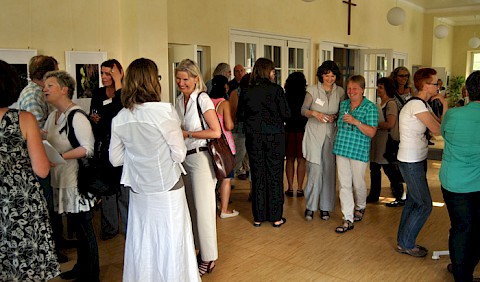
pixel 106 103
pixel 264 110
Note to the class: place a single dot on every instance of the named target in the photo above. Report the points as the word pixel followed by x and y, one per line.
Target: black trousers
pixel 88 266
pixel 393 174
pixel 464 240
pixel 266 153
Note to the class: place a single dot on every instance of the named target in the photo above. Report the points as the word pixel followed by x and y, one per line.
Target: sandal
pixel 325 215
pixel 358 215
pixel 347 225
pixel 415 252
pixel 308 215
pixel 206 267
pixel 299 193
pixel 289 193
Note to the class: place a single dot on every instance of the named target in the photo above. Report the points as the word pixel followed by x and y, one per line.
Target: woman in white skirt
pixel 147 140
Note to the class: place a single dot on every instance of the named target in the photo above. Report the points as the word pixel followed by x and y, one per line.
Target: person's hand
pixel 185 134
pixel 348 118
pixel 95 117
pixel 116 74
pixel 440 98
pixel 321 117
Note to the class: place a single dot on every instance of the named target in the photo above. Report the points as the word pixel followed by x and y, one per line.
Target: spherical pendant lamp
pixel 441 31
pixel 474 42
pixel 396 16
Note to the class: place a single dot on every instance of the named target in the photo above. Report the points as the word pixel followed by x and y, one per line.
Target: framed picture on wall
pixel 19 59
pixel 84 67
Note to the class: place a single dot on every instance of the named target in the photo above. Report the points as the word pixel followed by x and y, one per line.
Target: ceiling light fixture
pixel 441 31
pixel 474 42
pixel 396 15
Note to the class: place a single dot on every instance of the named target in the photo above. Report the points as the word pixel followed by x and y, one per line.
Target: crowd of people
pixel 154 159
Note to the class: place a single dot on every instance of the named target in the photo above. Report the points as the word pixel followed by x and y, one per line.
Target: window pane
pixel 300 58
pixel 267 52
pixel 277 59
pixel 278 77
pixel 291 58
pixel 476 61
pixel 240 53
pixel 251 57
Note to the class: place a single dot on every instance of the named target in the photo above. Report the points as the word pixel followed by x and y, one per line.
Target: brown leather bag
pixel 223 159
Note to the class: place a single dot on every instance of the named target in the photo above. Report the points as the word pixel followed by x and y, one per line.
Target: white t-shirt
pixel 413 143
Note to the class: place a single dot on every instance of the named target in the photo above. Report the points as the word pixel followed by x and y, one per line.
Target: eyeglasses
pixel 403 75
pixel 436 84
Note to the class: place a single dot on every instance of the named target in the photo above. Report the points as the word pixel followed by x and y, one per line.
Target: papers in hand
pixel 52 154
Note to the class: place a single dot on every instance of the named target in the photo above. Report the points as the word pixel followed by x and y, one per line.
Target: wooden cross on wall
pixel 350 4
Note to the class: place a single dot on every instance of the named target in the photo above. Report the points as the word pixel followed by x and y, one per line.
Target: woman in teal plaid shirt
pixel 357 124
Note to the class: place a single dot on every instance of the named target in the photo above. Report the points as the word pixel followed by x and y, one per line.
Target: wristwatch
pixel 190 135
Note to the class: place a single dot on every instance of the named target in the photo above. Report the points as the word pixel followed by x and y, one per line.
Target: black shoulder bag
pixel 89 178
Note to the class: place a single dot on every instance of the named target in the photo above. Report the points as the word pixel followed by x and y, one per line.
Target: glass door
pixel 374 64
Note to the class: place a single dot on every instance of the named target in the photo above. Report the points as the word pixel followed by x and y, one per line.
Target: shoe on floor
pixel 396 203
pixel 415 252
pixel 243 176
pixel 281 223
pixel 69 275
pixel 324 215
pixel 372 199
pixel 308 215
pixel 228 215
pixel 289 193
pixel 299 193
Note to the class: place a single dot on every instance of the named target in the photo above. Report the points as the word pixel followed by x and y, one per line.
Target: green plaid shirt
pixel 350 141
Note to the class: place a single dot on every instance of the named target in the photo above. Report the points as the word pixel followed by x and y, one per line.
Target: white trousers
pixel 200 184
pixel 353 189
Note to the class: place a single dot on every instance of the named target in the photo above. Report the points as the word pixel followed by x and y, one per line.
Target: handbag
pixel 391 149
pixel 91 177
pixel 223 160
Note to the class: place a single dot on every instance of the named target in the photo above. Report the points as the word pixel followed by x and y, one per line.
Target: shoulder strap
pixel 71 130
pixel 416 98
pixel 199 110
pixel 400 99
pixel 218 105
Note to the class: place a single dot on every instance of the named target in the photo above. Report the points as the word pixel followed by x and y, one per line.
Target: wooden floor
pixel 312 251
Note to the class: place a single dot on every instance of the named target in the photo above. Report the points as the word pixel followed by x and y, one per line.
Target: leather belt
pixel 196 150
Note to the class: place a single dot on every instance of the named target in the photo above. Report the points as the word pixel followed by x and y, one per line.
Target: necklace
pixel 60 117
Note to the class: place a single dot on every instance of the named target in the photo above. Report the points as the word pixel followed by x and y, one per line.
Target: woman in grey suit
pixel 321 108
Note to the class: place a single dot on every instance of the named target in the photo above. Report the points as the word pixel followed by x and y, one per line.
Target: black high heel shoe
pixel 206 267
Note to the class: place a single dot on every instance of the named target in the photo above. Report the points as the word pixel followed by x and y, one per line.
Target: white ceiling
pixel 444 4
pixel 455 12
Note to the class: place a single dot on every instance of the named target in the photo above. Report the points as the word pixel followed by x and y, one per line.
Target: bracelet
pixel 190 135
pixel 359 123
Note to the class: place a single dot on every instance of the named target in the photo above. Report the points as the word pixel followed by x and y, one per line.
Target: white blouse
pixel 190 118
pixel 148 142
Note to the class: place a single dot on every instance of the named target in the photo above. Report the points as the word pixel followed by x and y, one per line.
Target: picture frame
pixel 19 59
pixel 84 67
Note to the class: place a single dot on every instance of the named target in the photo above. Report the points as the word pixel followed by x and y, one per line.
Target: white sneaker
pixel 227 215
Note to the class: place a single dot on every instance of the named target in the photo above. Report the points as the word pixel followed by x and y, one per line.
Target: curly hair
pixel 218 87
pixel 141 83
pixel 326 67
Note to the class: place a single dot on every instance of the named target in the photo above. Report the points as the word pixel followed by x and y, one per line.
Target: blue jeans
pixel 418 205
pixel 464 240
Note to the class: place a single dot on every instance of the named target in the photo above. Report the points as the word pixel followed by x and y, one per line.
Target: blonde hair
pixel 193 70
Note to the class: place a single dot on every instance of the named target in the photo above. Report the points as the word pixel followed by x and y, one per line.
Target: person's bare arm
pixel 36 150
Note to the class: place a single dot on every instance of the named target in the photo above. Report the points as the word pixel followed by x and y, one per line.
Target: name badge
pixel 108 101
pixel 320 102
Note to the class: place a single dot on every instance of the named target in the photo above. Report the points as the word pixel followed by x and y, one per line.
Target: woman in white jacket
pixel 147 140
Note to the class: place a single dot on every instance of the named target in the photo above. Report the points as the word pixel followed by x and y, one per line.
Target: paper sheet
pixel 52 154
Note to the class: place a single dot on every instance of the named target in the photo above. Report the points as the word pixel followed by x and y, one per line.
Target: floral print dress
pixel 26 246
